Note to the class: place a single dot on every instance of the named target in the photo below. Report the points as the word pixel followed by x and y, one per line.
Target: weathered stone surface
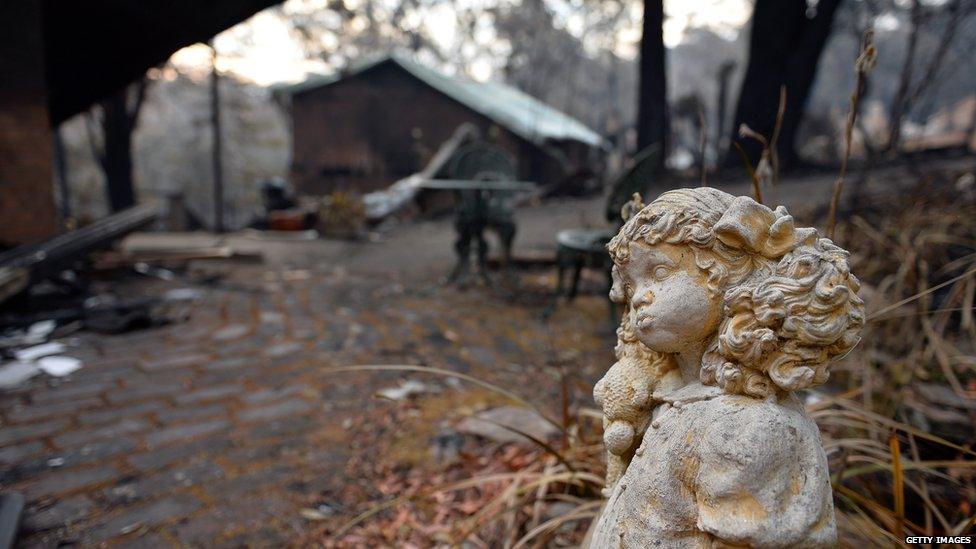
pixel 245 485
pixel 191 413
pixel 86 435
pixel 168 455
pixel 240 519
pixel 275 411
pixel 264 395
pixel 210 393
pixel 142 392
pixel 163 482
pixel 42 463
pixel 36 411
pixel 62 513
pixel 728 308
pixel 28 431
pixel 161 511
pixel 184 432
pixel 73 390
pixel 491 424
pixel 64 481
pixel 269 429
pixel 95 417
pixel 97 451
pixel 228 364
pixel 12 454
pixel 173 362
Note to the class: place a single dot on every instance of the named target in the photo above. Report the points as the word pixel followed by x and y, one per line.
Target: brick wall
pixel 27 210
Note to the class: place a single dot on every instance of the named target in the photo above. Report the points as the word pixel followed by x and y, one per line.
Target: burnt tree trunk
pixel 722 102
pixel 120 114
pixel 117 151
pixel 784 48
pixel 652 102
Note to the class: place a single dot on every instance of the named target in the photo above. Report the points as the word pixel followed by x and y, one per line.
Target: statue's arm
pixel 763 481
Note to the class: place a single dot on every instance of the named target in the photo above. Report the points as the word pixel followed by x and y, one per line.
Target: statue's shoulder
pixel 757 430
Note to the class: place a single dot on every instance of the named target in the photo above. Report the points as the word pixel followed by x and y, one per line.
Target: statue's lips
pixel 643 321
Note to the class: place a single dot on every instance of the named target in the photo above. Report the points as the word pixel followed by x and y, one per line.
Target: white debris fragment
pixel 59 366
pixel 183 294
pixel 42 329
pixel 406 389
pixel 37 351
pixel 13 374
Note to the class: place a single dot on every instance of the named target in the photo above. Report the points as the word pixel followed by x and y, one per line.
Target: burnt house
pixel 382 120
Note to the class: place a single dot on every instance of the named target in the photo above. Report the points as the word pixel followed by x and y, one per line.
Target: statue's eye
pixel 661 272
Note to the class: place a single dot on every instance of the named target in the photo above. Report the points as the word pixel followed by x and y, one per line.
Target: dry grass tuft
pixel 900 437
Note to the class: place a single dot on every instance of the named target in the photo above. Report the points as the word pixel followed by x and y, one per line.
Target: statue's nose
pixel 645 298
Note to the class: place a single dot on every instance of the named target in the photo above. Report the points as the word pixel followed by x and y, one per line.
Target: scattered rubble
pixel 31 361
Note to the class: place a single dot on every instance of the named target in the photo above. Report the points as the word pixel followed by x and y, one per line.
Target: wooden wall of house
pixel 368 130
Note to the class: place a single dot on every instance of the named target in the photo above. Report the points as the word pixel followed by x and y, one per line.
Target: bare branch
pixel 898 105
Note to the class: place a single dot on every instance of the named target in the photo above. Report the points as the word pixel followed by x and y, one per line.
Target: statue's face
pixel 670 306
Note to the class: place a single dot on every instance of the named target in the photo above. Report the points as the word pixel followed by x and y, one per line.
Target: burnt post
pixel 722 101
pixel 218 171
pixel 652 116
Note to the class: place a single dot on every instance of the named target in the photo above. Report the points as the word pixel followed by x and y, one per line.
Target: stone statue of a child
pixel 749 308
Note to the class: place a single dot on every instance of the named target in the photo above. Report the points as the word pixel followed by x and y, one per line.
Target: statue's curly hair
pixel 781 332
pixel 687 217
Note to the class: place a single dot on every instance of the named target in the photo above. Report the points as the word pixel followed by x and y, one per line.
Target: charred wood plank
pixel 55 254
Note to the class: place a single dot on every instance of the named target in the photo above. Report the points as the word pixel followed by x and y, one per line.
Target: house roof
pixel 96 47
pixel 512 109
